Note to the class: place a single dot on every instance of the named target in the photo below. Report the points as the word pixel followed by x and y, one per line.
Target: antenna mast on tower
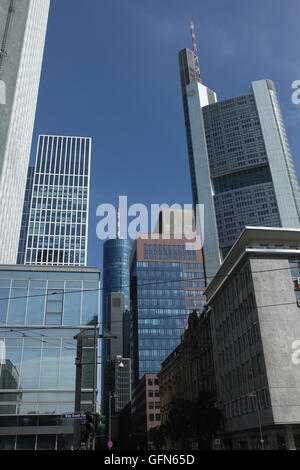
pixel 195 52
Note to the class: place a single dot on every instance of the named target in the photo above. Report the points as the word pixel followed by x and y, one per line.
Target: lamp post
pixel 113 395
pixel 254 394
pixel 80 337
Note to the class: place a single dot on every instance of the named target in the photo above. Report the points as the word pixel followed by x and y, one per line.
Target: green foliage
pixel 157 436
pixel 199 419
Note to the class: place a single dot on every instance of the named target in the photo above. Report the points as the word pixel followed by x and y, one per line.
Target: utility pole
pixel 80 337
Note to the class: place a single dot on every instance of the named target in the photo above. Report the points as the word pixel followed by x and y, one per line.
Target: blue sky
pixel 110 72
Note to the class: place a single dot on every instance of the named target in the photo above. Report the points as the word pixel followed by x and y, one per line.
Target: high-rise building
pixel 240 161
pixel 22 36
pixel 167 283
pixel 55 216
pixel 116 272
pixel 45 313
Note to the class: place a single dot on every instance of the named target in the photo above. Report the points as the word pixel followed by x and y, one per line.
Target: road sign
pixel 74 416
pixel 110 444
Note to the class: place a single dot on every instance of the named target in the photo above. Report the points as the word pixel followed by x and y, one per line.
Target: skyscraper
pixel 116 273
pixel 240 161
pixel 22 36
pixel 115 311
pixel 57 221
pixel 167 284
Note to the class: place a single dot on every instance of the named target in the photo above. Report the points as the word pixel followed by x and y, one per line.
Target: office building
pixel 187 372
pixel 23 27
pixel 55 227
pixel 116 280
pixel 240 161
pixel 146 405
pixel 116 272
pixel 253 303
pixel 42 312
pixel 167 283
pixel 116 368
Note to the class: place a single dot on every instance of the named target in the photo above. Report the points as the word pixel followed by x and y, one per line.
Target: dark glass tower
pixel 167 284
pixel 116 272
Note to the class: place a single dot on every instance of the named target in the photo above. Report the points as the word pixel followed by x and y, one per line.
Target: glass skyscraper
pixel 42 310
pixel 116 272
pixel 167 284
pixel 23 27
pixel 115 281
pixel 57 219
pixel 240 161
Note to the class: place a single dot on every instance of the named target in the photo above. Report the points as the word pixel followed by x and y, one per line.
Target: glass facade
pixel 116 272
pixel 41 312
pixel 163 294
pixel 57 223
pixel 240 162
pixel 241 176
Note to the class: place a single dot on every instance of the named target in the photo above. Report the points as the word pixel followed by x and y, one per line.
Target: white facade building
pixel 23 27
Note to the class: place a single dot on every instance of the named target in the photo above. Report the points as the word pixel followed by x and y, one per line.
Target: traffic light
pixel 90 422
pixel 95 422
pixel 101 422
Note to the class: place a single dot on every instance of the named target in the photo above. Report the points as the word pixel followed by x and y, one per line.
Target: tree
pixel 157 436
pixel 206 419
pixel 179 424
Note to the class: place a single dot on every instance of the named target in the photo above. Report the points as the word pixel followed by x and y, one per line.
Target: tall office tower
pixel 116 278
pixel 116 290
pixel 22 36
pixel 116 271
pixel 240 161
pixel 57 230
pixel 167 283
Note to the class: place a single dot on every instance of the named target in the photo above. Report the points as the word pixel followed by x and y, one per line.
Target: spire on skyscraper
pixel 195 52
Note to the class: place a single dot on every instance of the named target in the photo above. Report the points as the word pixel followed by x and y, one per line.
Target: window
pixel 54 307
pixel 151 417
pixel 150 382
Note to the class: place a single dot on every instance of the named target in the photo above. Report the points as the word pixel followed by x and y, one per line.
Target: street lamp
pixel 107 335
pixel 254 394
pixel 113 395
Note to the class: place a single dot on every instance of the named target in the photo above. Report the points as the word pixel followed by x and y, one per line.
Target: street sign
pixel 74 416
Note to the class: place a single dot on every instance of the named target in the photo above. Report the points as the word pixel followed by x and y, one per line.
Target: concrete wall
pixel 279 327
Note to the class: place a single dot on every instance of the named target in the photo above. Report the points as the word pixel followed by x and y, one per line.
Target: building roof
pixel 271 240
